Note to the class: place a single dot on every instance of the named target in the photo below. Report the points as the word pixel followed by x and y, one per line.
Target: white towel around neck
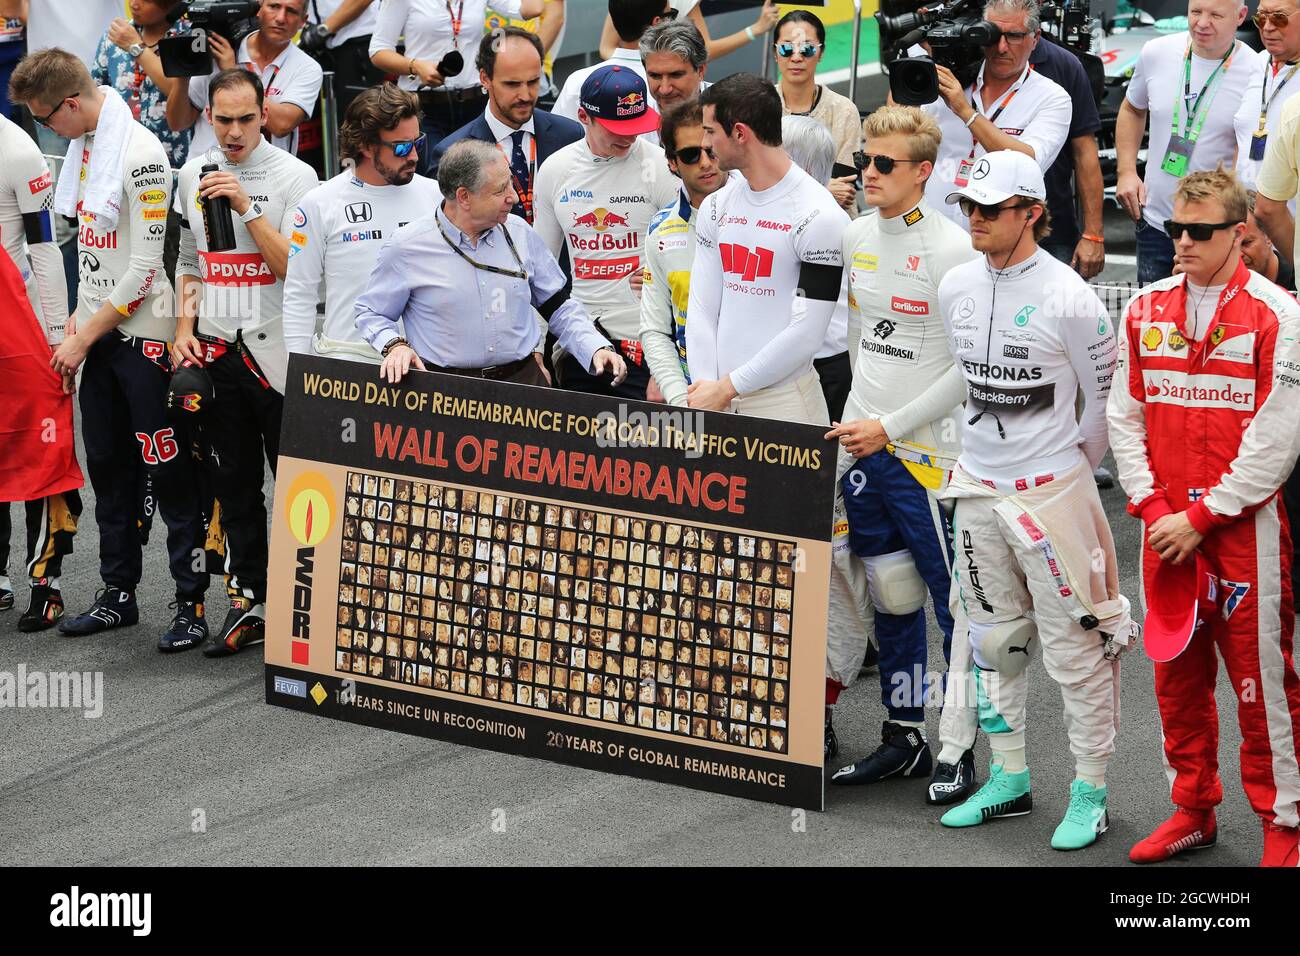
pixel 103 198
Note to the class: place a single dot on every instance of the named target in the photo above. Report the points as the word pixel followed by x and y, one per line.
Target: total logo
pixel 600 218
pixel 310 514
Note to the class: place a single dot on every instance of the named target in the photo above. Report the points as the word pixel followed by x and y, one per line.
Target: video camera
pixel 188 55
pixel 957 34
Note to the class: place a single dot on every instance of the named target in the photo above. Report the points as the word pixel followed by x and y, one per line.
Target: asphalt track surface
pixel 182 734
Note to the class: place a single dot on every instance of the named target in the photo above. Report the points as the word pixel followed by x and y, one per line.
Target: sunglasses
pixel 806 50
pixel 690 155
pixel 404 147
pixel 885 164
pixel 1279 20
pixel 1199 231
pixel 1013 37
pixel 968 207
pixel 45 120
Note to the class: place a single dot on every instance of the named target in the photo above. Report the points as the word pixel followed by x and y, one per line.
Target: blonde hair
pixel 1217 184
pixel 919 129
pixel 49 76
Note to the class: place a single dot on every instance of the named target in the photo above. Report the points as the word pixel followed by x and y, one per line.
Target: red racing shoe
pixel 1281 846
pixel 1185 830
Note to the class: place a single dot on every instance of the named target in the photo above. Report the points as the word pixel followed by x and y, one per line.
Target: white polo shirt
pixel 1035 110
pixel 292 77
pixel 1267 91
pixel 1158 82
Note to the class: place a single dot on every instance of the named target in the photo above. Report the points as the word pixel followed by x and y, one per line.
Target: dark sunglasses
pixel 1199 231
pixel 404 147
pixel 45 120
pixel 1013 37
pixel 690 155
pixel 883 163
pixel 786 50
pixel 968 206
pixel 1279 20
pixel 669 14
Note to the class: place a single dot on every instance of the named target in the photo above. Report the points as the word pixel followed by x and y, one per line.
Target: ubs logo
pixel 358 212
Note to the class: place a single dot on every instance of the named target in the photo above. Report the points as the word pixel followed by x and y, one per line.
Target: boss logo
pixel 357 212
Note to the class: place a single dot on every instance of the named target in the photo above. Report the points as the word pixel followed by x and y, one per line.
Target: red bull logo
pixel 599 219
pixel 631 104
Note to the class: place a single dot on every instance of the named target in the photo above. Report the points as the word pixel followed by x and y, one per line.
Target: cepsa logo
pixel 310 515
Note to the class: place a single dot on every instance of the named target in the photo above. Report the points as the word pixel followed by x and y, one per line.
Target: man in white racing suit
pixel 898 444
pixel 339 226
pixel 1029 531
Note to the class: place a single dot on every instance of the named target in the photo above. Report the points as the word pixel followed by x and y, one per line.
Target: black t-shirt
pixel 1063 67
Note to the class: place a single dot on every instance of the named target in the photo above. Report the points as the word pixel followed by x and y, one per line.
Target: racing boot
pixel 188 629
pixel 903 752
pixel 245 626
pixel 831 743
pixel 44 607
pixel 1281 846
pixel 952 781
pixel 1004 795
pixel 1085 818
pixel 6 592
pixel 113 607
pixel 1185 830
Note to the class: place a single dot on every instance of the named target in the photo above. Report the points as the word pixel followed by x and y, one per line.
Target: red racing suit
pixel 1210 427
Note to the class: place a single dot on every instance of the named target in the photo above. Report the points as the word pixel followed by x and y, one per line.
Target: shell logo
pixel 310 513
pixel 1152 338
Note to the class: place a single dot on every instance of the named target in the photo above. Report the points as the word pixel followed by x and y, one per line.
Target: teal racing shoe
pixel 1004 795
pixel 1085 820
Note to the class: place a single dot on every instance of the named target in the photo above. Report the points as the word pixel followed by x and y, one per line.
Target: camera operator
pixel 339 38
pixel 1191 85
pixel 291 79
pixel 1009 106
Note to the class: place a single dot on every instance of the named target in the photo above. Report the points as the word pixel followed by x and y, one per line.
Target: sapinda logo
pixel 599 219
pixel 236 268
pixel 749 264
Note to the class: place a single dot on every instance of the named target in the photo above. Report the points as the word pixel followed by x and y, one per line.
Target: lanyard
pixel 1006 101
pixel 1264 107
pixel 521 274
pixel 457 19
pixel 1195 118
pixel 525 194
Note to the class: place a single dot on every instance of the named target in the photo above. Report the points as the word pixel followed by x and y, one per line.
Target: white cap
pixel 1000 175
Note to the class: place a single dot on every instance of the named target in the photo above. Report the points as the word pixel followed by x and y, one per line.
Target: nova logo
pixel 358 212
pixel 575 194
pixel 749 264
pixel 310 515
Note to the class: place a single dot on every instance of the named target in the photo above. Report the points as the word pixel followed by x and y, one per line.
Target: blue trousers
pixel 888 511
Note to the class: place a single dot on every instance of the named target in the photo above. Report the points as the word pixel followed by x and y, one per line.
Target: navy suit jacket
pixel 553 133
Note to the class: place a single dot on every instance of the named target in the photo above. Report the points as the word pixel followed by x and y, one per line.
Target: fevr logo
pixel 357 212
pixel 749 265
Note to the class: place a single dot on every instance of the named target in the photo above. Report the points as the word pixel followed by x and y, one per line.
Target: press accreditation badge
pixel 963 173
pixel 1177 156
pixel 1257 143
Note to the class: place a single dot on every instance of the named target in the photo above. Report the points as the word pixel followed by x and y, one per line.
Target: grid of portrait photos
pixel 628 620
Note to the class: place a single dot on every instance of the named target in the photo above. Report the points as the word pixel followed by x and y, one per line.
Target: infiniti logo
pixel 89 262
pixel 357 212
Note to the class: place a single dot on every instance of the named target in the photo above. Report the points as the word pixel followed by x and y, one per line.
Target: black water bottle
pixel 218 222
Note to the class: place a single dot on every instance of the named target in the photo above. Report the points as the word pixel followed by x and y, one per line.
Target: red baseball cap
pixel 1180 598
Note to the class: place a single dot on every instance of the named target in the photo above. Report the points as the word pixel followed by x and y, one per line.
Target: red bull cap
pixel 1180 598
pixel 616 98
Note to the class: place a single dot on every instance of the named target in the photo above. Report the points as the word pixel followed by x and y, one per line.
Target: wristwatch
pixel 252 212
pixel 136 49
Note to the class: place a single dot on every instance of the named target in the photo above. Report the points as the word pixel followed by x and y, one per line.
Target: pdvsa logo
pixel 310 513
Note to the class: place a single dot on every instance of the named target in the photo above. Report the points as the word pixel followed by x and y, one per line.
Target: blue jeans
pixel 893 512
pixel 1155 254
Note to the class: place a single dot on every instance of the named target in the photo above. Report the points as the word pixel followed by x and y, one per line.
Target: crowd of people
pixel 915 282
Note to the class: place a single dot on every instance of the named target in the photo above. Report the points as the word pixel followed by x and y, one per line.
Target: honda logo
pixel 746 263
pixel 357 212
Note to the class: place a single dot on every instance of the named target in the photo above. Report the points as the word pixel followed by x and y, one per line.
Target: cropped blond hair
pixel 919 129
pixel 1217 184
pixel 48 77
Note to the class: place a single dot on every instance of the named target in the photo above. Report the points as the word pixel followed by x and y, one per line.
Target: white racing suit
pixel 1040 548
